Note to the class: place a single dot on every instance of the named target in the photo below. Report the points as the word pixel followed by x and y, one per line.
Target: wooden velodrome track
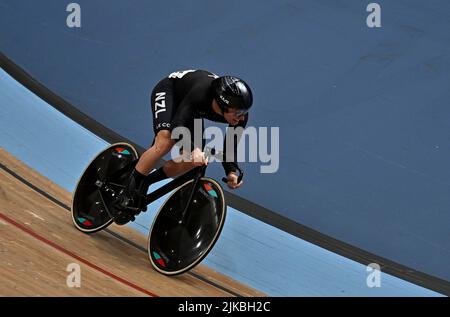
pixel 38 241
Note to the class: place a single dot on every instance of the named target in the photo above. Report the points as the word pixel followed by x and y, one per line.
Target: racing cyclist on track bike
pixel 176 101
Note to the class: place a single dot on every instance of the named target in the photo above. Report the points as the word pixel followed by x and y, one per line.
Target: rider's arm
pixel 227 164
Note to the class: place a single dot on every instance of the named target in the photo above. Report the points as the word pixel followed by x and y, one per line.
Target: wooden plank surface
pixel 38 241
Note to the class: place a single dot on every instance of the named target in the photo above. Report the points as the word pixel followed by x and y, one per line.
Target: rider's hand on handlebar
pixel 198 157
pixel 232 178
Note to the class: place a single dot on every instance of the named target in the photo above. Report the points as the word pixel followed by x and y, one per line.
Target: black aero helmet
pixel 232 92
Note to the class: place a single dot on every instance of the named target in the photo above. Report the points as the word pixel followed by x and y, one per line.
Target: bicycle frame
pixel 196 173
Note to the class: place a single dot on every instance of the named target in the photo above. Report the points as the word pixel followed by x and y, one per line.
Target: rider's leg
pixel 140 178
pixel 132 196
pixel 162 145
pixel 163 108
pixel 174 168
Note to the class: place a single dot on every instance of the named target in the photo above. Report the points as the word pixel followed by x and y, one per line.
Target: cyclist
pixel 176 101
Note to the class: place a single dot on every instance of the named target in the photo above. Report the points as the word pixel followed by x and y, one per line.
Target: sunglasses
pixel 237 112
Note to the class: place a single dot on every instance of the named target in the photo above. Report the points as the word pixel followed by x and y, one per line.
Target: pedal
pixel 123 218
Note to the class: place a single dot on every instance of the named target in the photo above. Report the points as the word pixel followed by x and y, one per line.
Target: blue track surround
pixel 248 250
